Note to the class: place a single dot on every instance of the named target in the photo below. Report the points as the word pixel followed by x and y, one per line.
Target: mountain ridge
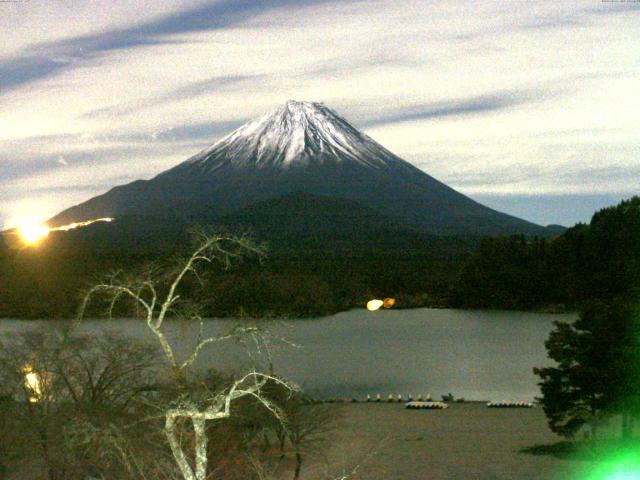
pixel 301 147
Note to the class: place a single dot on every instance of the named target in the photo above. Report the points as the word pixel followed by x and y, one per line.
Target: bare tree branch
pixel 144 293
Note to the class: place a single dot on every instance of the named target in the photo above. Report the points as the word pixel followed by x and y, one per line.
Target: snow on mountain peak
pixel 295 134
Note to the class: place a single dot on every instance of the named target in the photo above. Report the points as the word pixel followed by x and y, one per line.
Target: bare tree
pixel 307 429
pixel 304 433
pixel 157 303
pixel 72 403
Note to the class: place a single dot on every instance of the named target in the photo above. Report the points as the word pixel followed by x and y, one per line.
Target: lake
pixel 479 355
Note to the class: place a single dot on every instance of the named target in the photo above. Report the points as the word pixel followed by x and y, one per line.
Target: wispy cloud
pixel 467 106
pixel 190 91
pixel 492 97
pixel 48 59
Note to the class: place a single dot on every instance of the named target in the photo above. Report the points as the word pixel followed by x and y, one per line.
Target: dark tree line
pixel 301 277
pixel 595 270
pixel 596 261
pixel 311 276
pixel 597 358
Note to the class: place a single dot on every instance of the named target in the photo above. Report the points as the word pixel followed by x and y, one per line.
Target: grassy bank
pixel 466 440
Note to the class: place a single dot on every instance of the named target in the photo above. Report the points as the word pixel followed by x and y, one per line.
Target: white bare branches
pixel 215 408
pixel 144 292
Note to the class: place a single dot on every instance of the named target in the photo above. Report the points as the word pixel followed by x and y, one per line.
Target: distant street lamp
pixel 373 305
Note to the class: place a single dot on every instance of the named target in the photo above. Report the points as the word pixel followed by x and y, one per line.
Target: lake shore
pixel 385 441
pixel 477 355
pixel 313 315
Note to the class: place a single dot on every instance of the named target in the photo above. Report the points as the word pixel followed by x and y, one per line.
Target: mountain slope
pixel 300 147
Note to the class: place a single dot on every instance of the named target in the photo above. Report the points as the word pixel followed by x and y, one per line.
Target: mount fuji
pixel 300 155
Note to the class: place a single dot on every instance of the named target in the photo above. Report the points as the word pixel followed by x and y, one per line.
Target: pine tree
pixel 598 368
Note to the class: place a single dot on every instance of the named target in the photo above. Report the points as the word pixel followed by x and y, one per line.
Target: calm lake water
pixel 479 355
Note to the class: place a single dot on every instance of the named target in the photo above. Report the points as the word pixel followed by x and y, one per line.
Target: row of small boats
pixel 426 405
pixel 508 404
pixel 398 399
pixel 442 405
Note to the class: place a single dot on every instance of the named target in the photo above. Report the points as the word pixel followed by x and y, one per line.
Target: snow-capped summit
pixel 294 134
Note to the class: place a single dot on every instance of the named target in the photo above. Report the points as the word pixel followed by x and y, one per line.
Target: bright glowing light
pixel 619 462
pixel 373 305
pixel 71 226
pixel 622 469
pixel 33 383
pixel 389 302
pixel 32 232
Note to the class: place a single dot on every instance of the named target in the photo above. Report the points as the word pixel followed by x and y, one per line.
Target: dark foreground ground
pixel 466 441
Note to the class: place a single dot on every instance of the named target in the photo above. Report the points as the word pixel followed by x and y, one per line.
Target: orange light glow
pixel 389 302
pixel 33 232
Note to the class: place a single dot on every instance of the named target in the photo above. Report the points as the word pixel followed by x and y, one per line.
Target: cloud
pixel 492 97
pixel 49 58
pixel 191 90
pixel 39 193
pixel 469 106
pixel 18 71
pixel 204 131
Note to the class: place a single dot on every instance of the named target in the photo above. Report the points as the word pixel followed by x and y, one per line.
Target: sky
pixel 530 107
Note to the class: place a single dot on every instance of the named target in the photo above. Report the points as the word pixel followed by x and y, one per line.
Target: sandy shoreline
pixel 466 440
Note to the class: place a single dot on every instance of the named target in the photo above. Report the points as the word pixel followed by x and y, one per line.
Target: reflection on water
pixel 481 355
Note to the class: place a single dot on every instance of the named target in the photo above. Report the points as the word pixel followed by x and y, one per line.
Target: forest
pixel 599 260
pixel 335 269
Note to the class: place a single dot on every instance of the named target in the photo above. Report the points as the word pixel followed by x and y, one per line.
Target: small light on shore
pixel 373 305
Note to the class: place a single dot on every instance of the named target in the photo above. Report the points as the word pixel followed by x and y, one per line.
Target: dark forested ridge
pixel 323 255
pixel 600 260
pixel 336 258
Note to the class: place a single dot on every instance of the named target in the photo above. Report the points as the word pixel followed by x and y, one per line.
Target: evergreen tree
pixel 598 368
